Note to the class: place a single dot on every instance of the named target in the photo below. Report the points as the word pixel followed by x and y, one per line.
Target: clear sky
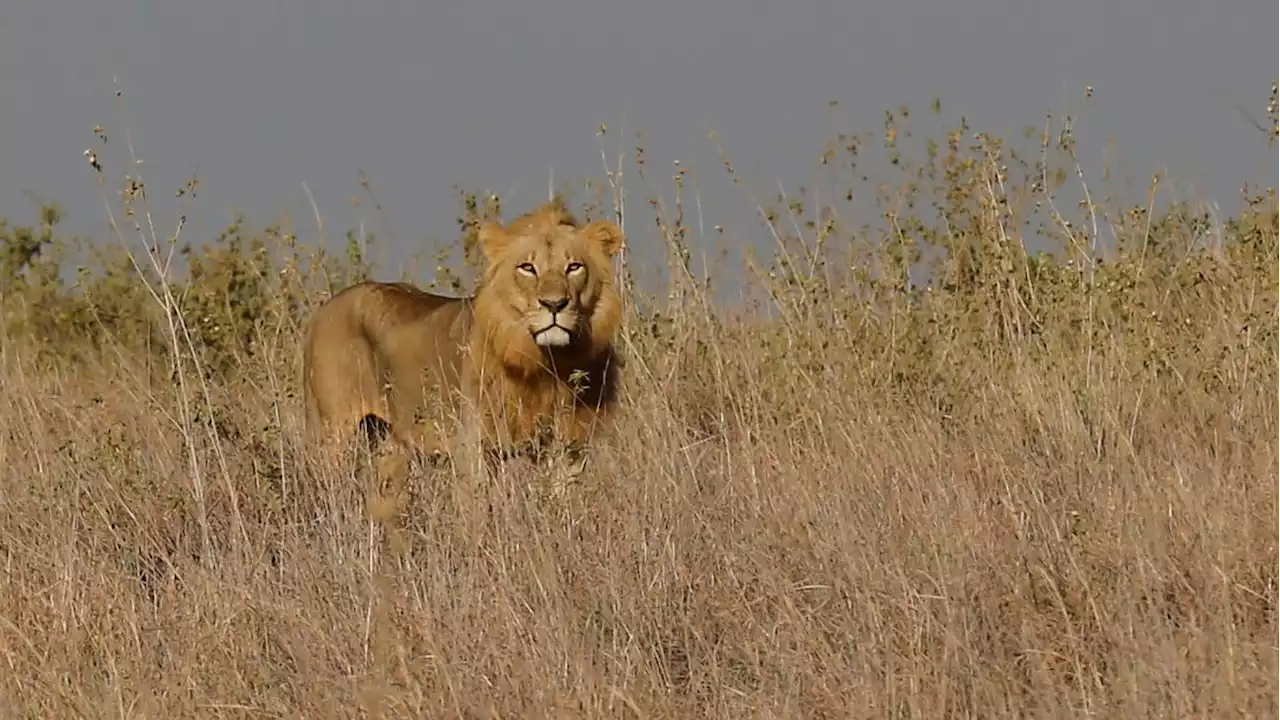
pixel 263 95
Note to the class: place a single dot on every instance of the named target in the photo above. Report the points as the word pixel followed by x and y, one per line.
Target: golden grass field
pixel 1040 487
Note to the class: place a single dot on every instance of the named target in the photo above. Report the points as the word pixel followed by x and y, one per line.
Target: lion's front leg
pixel 391 493
pixel 430 441
pixel 422 442
pixel 472 448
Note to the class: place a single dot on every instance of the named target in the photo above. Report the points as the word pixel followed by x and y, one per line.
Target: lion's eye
pixel 527 268
pixel 573 268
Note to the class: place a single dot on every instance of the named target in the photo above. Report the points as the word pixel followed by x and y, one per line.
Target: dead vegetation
pixel 1027 485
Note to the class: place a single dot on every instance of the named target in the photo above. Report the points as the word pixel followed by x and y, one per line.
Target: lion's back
pixel 374 333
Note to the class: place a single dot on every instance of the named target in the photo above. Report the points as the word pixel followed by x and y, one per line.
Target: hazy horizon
pixel 259 98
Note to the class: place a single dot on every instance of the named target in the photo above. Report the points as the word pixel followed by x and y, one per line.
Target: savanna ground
pixel 1033 485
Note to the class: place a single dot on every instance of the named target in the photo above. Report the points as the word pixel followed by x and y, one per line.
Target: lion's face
pixel 553 280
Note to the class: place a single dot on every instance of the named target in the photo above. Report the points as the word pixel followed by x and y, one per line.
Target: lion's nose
pixel 555 305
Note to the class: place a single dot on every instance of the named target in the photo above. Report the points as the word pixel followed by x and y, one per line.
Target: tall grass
pixel 924 470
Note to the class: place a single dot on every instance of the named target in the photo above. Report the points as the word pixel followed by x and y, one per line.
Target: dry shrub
pixel 1040 486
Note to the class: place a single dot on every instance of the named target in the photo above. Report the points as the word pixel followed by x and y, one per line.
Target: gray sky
pixel 262 95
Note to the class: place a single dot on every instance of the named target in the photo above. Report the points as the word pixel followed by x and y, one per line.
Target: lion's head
pixel 548 286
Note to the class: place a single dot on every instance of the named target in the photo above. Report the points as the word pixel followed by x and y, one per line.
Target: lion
pixel 532 349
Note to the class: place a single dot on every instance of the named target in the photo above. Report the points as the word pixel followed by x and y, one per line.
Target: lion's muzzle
pixel 553 322
pixel 553 336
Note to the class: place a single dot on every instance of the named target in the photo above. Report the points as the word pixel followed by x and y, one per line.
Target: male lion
pixel 533 346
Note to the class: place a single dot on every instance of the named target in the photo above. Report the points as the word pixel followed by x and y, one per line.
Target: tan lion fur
pixel 534 344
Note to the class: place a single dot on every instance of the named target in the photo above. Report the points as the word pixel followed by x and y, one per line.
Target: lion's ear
pixel 493 239
pixel 605 234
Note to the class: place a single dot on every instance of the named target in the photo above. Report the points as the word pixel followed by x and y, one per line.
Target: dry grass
pixel 1033 491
